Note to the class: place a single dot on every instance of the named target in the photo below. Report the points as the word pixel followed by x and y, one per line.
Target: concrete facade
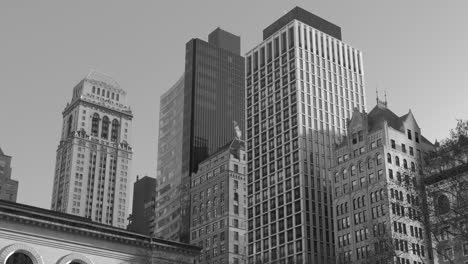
pixel 49 237
pixel 143 195
pixel 218 198
pixel 302 83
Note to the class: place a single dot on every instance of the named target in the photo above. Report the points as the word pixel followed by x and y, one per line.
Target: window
pixel 19 258
pixel 393 144
pixel 105 127
pixel 389 158
pixel 114 130
pixel 95 125
pixel 379 159
pixel 236 168
pixel 443 204
pixel 397 161
pixel 416 137
pixel 403 148
pixel 409 134
pixel 405 164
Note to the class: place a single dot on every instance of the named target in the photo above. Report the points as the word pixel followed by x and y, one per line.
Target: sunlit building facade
pixel 302 83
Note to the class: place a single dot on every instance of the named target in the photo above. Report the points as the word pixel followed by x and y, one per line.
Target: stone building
pixel 447 199
pixel 94 155
pixel 218 198
pixel 31 235
pixel 377 207
pixel 8 186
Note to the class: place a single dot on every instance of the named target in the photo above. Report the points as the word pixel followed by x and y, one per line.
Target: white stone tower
pixel 94 155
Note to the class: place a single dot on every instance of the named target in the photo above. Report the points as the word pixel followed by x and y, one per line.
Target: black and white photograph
pixel 233 132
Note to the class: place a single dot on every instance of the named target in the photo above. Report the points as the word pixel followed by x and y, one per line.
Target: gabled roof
pixel 379 114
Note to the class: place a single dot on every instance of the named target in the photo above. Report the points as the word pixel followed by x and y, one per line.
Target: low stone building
pixel 31 235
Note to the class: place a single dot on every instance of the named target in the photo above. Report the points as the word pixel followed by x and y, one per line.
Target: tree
pixel 446 188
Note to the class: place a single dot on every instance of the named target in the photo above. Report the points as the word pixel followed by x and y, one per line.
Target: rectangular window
pixel 393 144
pixel 403 148
pixel 416 137
pixel 409 134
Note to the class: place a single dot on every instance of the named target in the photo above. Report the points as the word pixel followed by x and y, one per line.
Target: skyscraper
pixel 302 83
pixel 378 206
pixel 94 154
pixel 208 100
pixel 143 195
pixel 8 186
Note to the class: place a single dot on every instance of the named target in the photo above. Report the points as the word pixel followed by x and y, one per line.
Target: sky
pixel 416 51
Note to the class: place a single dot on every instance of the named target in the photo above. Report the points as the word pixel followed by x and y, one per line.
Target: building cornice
pixel 85 102
pixel 48 219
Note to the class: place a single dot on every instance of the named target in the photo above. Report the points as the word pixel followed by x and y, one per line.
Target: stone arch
pixel 20 248
pixel 75 258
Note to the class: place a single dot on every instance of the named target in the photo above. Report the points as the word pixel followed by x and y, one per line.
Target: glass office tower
pixel 213 98
pixel 302 83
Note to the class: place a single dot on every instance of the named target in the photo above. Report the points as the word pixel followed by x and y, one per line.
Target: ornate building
pixel 94 154
pixel 31 235
pixel 219 199
pixel 8 186
pixel 378 206
pixel 447 199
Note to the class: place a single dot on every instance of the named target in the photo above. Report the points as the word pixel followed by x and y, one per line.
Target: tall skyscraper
pixel 218 200
pixel 8 186
pixel 378 206
pixel 143 205
pixel 209 100
pixel 302 83
pixel 94 155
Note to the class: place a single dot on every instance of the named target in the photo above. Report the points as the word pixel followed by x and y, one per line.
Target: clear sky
pixel 415 50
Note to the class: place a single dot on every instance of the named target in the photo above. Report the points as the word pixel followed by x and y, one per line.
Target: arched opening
pixel 19 258
pixel 405 164
pixel 379 159
pixel 413 167
pixel 443 204
pixel 397 161
pixel 114 130
pixel 389 158
pixel 95 125
pixel 105 127
pixel 69 125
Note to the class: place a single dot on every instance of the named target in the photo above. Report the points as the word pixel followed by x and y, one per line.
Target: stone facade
pixel 218 198
pixel 49 237
pixel 377 206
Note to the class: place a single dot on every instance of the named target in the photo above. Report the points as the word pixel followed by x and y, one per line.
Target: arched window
pixel 345 172
pixel 389 158
pixel 353 170
pixel 381 194
pixel 95 125
pixel 443 204
pixel 371 197
pixel 338 209
pixel 379 158
pixel 405 164
pixel 397 161
pixel 19 258
pixel 413 167
pixel 69 125
pixel 114 130
pixel 105 127
pixel 398 174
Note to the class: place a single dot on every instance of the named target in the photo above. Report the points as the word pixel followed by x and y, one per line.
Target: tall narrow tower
pixel 94 155
pixel 196 120
pixel 302 83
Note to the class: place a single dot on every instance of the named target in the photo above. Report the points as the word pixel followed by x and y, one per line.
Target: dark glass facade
pixel 213 100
